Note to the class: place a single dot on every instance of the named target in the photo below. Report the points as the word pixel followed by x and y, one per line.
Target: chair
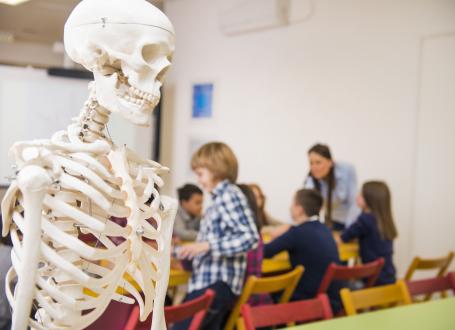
pixel 349 252
pixel 285 282
pixel 195 308
pixel 429 286
pixel 115 317
pixel 278 264
pixel 441 264
pixel 375 297
pixel 178 277
pixel 369 271
pixel 296 311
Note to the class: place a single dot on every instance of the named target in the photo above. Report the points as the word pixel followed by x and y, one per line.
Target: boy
pixel 227 233
pixel 309 243
pixel 187 220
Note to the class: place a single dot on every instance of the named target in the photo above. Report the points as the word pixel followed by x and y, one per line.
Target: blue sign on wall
pixel 202 100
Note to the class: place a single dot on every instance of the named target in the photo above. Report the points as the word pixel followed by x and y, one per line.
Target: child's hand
pixel 189 251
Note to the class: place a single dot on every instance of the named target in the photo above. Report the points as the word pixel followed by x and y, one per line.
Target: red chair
pixel 432 285
pixel 297 311
pixel 195 308
pixel 369 271
pixel 115 317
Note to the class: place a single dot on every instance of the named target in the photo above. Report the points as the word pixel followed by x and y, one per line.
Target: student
pixel 264 217
pixel 188 217
pixel 254 257
pixel 309 243
pixel 375 228
pixel 227 233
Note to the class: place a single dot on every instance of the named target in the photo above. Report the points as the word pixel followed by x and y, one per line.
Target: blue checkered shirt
pixel 229 228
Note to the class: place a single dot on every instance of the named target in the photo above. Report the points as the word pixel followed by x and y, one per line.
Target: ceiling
pixel 37 21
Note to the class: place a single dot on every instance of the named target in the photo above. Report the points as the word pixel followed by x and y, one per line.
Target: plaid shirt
pixel 229 228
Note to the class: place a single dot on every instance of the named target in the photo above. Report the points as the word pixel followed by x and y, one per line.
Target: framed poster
pixel 202 100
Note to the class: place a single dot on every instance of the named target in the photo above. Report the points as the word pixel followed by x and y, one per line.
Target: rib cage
pixel 92 182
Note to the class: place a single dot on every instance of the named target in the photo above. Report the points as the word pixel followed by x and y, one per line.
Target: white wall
pixel 348 76
pixel 27 53
pixel 34 105
pixel 435 175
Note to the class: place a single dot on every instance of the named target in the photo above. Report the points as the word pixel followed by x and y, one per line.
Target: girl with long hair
pixel 375 228
pixel 337 183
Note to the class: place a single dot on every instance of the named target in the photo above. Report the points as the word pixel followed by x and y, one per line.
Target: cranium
pixel 128 45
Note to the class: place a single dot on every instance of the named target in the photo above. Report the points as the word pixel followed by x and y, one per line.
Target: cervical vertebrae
pixel 80 182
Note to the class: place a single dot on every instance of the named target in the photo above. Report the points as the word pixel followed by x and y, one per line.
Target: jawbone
pixel 115 93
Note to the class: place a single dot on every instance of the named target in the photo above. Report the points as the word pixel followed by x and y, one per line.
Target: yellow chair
pixel 278 264
pixel 285 282
pixel 440 264
pixel 178 277
pixel 349 252
pixel 380 296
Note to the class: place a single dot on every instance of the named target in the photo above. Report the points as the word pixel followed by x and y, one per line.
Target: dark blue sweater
pixel 310 244
pixel 372 246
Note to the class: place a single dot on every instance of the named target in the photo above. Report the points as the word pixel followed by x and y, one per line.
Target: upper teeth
pixel 133 94
pixel 143 95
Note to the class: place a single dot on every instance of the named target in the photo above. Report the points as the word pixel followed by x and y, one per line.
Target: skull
pixel 128 45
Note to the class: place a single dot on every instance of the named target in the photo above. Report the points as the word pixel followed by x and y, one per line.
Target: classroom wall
pixel 349 75
pixel 30 54
pixel 34 105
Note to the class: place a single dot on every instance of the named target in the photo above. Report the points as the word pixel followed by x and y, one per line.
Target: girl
pixel 254 257
pixel 264 217
pixel 375 228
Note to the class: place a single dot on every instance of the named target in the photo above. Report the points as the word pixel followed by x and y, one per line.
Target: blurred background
pixel 373 79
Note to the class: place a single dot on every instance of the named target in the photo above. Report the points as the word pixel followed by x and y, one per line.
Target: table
pixel 431 315
pixel 348 252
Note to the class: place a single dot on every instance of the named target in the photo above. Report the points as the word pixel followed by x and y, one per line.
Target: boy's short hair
pixel 219 159
pixel 310 200
pixel 187 191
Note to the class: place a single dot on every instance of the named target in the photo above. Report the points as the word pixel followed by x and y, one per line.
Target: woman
pixel 337 182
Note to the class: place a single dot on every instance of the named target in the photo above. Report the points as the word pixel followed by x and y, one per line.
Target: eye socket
pixel 162 73
pixel 170 57
pixel 150 53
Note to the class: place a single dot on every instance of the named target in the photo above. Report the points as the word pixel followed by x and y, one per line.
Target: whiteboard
pixel 34 105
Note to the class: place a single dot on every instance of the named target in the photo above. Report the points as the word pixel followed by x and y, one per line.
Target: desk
pixel 348 252
pixel 431 315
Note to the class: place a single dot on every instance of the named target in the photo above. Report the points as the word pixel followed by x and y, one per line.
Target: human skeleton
pixel 77 181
